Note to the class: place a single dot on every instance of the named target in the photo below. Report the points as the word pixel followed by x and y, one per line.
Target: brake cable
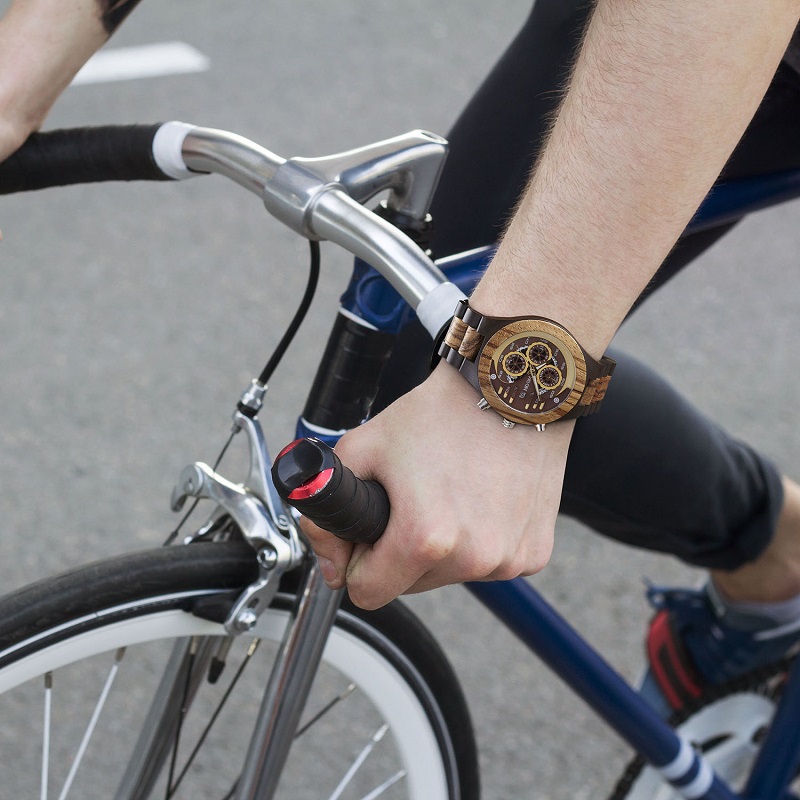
pixel 270 366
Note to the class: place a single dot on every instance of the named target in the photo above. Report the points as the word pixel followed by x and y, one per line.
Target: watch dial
pixel 532 372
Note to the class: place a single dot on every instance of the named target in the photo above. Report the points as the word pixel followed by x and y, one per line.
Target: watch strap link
pixel 463 341
pixel 595 389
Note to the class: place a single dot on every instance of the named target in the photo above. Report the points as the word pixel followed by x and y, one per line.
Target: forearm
pixel 660 95
pixel 43 43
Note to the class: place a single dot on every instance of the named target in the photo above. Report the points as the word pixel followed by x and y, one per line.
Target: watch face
pixel 532 371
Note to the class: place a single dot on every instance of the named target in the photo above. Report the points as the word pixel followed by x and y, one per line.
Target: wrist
pixel 553 294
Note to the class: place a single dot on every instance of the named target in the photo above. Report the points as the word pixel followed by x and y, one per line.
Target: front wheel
pixel 82 660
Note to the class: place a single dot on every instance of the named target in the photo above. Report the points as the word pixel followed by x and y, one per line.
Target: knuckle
pixel 507 571
pixel 483 563
pixel 530 556
pixel 434 545
pixel 538 556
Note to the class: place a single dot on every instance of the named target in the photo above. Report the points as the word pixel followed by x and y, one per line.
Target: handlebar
pixel 310 477
pixel 319 198
pixel 82 155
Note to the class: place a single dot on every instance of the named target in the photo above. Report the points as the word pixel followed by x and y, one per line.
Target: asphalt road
pixel 133 316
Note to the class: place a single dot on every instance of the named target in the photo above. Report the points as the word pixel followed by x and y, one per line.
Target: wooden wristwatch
pixel 530 370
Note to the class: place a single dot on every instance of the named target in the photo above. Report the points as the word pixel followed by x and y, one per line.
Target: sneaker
pixel 694 641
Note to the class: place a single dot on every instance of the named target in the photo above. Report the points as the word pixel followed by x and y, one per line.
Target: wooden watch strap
pixel 462 340
pixel 595 389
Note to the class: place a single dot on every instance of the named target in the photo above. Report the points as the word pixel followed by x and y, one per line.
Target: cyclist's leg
pixel 654 472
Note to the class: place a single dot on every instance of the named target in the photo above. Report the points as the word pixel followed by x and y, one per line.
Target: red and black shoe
pixel 694 642
pixel 671 665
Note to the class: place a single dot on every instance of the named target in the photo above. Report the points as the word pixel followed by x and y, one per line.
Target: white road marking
pixel 146 61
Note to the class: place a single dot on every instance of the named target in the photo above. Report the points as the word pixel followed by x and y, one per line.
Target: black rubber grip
pixel 82 155
pixel 310 477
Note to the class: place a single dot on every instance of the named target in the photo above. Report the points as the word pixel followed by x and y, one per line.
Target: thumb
pixel 332 553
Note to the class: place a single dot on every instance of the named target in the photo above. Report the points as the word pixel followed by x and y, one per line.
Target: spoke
pixel 325 709
pixel 379 790
pixel 48 704
pixel 194 646
pixel 360 759
pixel 98 709
pixel 204 735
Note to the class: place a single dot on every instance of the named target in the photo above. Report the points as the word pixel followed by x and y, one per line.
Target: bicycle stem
pixel 322 199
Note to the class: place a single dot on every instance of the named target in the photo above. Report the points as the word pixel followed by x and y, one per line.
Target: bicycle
pixel 240 570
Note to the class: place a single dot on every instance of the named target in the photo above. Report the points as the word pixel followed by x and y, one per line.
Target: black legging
pixel 649 470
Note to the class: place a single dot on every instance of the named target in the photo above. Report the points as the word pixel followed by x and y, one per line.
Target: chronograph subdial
pixel 549 377
pixel 515 364
pixel 539 353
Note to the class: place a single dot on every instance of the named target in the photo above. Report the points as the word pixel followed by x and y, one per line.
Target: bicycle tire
pixel 56 630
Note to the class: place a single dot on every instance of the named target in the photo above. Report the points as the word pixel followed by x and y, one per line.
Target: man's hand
pixel 470 499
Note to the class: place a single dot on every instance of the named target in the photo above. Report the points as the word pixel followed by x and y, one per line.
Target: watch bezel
pixel 534 326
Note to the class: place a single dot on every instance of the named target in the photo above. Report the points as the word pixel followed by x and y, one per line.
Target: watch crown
pixel 507 423
pixel 483 404
pixel 540 427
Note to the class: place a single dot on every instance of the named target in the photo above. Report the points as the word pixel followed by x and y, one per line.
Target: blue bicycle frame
pixel 522 609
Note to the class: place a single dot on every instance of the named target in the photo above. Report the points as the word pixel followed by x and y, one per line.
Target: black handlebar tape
pixel 310 477
pixel 82 155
